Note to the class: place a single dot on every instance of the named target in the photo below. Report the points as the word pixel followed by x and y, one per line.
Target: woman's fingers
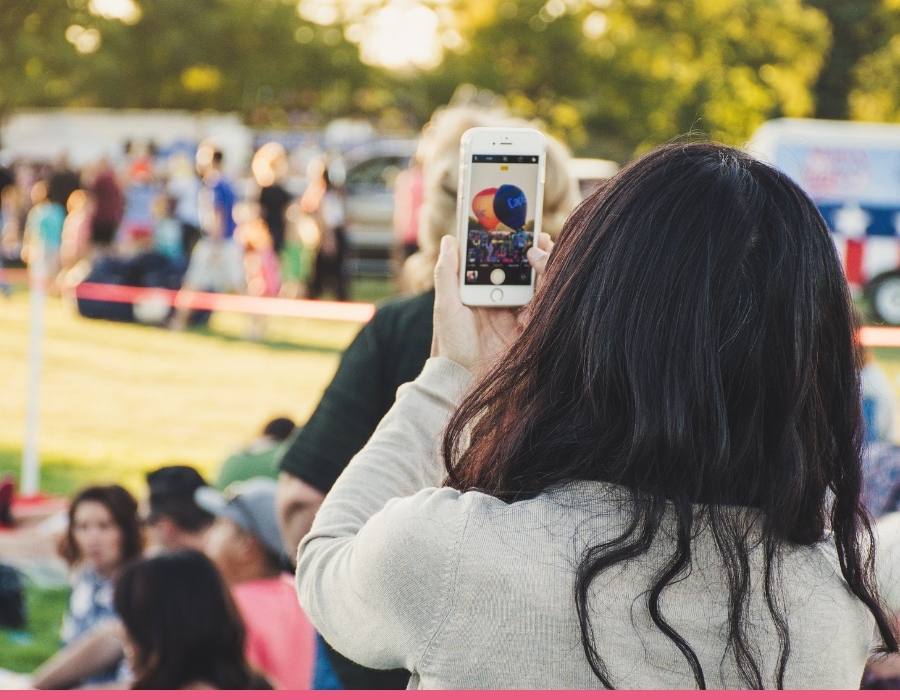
pixel 544 242
pixel 446 287
pixel 538 254
pixel 446 274
pixel 455 332
pixel 538 259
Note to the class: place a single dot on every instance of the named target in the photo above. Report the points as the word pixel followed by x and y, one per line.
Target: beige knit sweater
pixel 466 591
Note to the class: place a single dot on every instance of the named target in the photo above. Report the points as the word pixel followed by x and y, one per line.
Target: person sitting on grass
pixel 182 629
pixel 261 457
pixel 245 544
pixel 174 522
pixel 103 536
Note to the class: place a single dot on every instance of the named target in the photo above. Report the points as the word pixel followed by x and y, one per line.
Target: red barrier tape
pixel 880 336
pixel 870 336
pixel 208 301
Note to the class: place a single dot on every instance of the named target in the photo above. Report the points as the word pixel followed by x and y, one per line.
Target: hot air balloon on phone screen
pixel 511 206
pixel 483 208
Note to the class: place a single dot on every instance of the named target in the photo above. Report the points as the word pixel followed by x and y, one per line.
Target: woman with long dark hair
pixel 652 474
pixel 103 535
pixel 182 630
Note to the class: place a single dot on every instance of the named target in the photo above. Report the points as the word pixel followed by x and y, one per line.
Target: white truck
pixel 85 135
pixel 851 170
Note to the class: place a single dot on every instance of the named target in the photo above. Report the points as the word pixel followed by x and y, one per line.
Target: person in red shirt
pixel 245 544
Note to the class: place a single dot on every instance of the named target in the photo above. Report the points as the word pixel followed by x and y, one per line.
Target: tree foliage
pixel 611 76
pixel 628 74
pixel 876 89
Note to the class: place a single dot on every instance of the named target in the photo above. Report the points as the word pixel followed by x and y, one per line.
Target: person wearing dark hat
pixel 245 545
pixel 174 520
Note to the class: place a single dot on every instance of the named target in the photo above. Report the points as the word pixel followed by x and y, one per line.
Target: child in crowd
pixel 43 233
pixel 76 233
pixel 301 240
pixel 167 230
pixel 262 276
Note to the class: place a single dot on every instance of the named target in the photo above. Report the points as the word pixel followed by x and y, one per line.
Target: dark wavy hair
pixel 124 511
pixel 184 625
pixel 693 342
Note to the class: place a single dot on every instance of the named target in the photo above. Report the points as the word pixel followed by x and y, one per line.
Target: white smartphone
pixel 499 203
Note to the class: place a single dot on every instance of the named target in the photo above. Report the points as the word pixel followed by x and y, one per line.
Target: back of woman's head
pixel 439 157
pixel 123 510
pixel 182 624
pixel 692 342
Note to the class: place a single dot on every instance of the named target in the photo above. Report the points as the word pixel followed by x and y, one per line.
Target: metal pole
pixel 37 278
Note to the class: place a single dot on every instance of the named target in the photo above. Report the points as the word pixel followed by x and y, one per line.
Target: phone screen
pixel 501 212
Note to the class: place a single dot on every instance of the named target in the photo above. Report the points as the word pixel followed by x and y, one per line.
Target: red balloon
pixel 483 208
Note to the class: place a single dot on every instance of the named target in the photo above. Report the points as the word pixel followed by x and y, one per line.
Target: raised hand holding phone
pixel 499 208
pixel 474 337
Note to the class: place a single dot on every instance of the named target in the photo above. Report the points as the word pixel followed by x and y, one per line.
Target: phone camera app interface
pixel 501 219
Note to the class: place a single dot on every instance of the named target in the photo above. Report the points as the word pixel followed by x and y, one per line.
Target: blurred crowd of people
pixel 177 220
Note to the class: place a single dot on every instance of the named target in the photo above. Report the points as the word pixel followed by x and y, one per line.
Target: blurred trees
pixel 857 31
pixel 611 76
pixel 620 75
pixel 876 88
pixel 255 56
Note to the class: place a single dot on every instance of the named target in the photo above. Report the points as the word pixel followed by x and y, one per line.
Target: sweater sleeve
pixel 375 572
pixel 887 560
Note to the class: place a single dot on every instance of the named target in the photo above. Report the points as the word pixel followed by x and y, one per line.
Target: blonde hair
pixel 439 155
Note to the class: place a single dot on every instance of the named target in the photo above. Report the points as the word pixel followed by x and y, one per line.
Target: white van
pixel 85 135
pixel 851 170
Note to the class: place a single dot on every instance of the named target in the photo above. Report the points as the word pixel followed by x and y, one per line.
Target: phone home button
pixel 496 295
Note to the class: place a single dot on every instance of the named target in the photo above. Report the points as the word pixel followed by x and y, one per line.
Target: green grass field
pixel 119 399
pixel 23 651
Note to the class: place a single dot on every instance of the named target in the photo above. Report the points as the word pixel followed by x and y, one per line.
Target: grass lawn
pixel 119 399
pixel 23 651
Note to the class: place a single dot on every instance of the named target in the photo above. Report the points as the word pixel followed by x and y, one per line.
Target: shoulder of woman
pixel 425 524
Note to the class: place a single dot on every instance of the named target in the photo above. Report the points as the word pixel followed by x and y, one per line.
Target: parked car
pixel 369 183
pixel 851 170
pixel 370 173
pixel 591 172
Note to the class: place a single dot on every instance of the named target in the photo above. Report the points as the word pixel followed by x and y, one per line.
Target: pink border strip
pixel 450 694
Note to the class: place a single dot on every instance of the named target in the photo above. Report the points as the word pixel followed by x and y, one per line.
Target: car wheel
pixel 883 294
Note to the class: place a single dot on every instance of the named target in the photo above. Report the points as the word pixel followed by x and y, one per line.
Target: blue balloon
pixel 510 206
